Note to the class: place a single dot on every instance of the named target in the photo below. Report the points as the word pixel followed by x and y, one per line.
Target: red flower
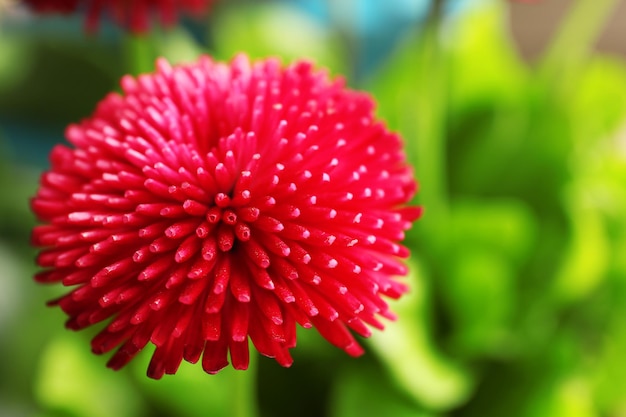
pixel 211 203
pixel 134 14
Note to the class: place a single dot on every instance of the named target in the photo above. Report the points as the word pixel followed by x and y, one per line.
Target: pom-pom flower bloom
pixel 133 14
pixel 210 204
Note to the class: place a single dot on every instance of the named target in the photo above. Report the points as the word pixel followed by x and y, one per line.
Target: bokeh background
pixel 514 116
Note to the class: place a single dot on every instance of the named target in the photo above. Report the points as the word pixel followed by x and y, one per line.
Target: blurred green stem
pixel 244 399
pixel 430 146
pixel 139 54
pixel 575 37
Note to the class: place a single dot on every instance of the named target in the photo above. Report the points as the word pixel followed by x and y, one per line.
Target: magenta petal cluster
pixel 212 204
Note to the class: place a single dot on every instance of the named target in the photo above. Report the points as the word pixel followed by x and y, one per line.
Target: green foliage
pixel 191 393
pixel 408 351
pixel 70 381
pixel 522 253
pixel 262 30
pixel 356 396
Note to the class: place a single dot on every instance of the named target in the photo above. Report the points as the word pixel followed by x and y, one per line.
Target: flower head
pixel 213 203
pixel 133 14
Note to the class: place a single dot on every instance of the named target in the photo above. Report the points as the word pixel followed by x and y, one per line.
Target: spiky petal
pixel 214 203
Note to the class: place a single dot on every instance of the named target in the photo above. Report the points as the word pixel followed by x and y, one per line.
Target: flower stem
pixel 430 145
pixel 575 37
pixel 139 54
pixel 244 399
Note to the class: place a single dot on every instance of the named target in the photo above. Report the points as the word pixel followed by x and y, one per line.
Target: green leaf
pixel 567 396
pixel 177 45
pixel 480 295
pixel 600 86
pixel 72 380
pixel 610 366
pixel 586 260
pixel 275 30
pixel 410 354
pixel 15 55
pixel 367 392
pixel 191 392
pixel 483 60
pixel 505 227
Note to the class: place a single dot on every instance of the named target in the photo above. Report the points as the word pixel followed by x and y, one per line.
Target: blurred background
pixel 514 116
